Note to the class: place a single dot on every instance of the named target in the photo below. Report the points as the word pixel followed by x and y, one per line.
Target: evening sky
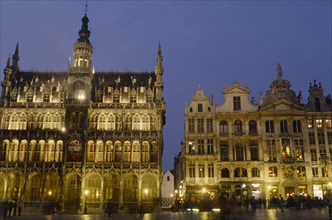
pixel 211 43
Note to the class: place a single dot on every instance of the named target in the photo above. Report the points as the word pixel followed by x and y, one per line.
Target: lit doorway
pixel 289 191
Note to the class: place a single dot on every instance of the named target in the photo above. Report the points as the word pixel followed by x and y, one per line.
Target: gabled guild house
pixel 281 144
pixel 82 138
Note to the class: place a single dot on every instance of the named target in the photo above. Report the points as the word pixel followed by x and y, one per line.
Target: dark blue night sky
pixel 212 43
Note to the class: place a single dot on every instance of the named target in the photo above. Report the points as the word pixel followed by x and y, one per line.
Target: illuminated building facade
pixel 242 148
pixel 79 137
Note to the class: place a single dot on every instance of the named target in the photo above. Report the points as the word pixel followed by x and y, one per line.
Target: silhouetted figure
pixel 5 209
pixel 19 207
pixel 281 203
pixel 141 211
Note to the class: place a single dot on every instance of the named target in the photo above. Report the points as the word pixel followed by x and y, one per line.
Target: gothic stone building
pixel 79 137
pixel 279 146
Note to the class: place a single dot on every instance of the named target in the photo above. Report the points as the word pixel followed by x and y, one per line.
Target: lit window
pixel 273 171
pixel 319 123
pixel 301 171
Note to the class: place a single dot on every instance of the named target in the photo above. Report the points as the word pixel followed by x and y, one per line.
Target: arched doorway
pixel 73 185
pixel 149 191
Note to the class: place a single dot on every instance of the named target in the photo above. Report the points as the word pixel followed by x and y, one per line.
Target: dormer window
pixel 30 98
pixel 133 99
pixel 199 107
pixel 46 98
pixel 99 98
pixel 116 98
pixel 14 98
pixel 237 103
pixel 317 105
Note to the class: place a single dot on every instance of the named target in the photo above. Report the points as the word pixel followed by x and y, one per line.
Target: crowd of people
pixel 11 208
pixel 229 206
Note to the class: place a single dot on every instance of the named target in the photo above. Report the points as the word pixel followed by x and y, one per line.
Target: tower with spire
pixel 83 49
pixel 80 72
pixel 101 131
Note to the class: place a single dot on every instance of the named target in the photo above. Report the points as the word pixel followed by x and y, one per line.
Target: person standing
pixel 19 207
pixel 330 204
pixel 222 206
pixel 281 203
pixel 5 209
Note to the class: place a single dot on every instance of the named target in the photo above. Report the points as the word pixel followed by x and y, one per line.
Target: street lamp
pixel 50 194
pixel 85 200
pixel 146 192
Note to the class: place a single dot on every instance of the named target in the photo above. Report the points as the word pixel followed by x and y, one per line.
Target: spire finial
pixel 159 49
pixel 16 58
pixel 8 62
pixel 279 71
pixel 86 7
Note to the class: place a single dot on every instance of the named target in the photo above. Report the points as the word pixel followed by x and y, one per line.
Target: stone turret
pixel 159 70
pixel 317 102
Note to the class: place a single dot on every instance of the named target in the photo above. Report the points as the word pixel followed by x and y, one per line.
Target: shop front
pixel 203 197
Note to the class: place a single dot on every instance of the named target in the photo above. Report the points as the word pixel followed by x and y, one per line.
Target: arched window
pixel 239 152
pixel 224 173
pixel 136 122
pixel 93 121
pixel 240 172
pixel 23 121
pixel 252 127
pixel 48 121
pixel 13 124
pixel 111 122
pixel 102 122
pixel 145 122
pixel 238 126
pixel 56 121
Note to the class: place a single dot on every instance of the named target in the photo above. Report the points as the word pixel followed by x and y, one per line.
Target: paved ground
pixel 267 214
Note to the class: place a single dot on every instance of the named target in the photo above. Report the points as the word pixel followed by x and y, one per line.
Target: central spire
pixel 84 33
pixel 83 49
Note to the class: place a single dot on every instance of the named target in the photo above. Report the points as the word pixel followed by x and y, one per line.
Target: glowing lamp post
pixel 146 192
